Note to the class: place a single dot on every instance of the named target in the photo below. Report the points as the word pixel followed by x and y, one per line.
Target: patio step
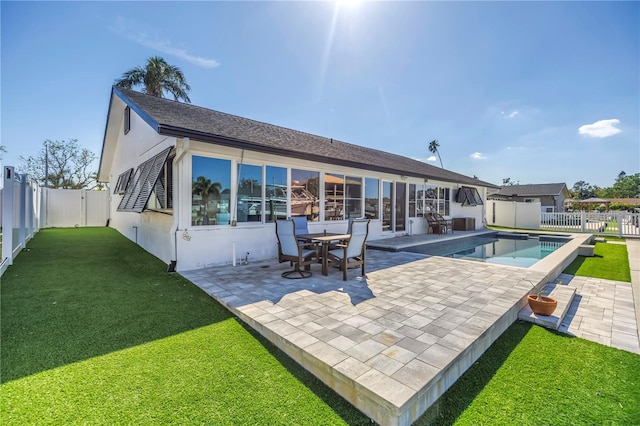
pixel 563 293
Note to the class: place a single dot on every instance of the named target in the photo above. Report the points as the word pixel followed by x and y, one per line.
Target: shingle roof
pixel 178 119
pixel 531 189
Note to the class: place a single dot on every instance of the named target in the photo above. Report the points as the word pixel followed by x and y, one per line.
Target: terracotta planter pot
pixel 546 306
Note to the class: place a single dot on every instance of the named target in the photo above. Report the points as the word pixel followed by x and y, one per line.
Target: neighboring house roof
pixel 625 200
pixel 532 190
pixel 178 119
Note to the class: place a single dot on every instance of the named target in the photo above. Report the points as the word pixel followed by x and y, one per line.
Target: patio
pixel 390 343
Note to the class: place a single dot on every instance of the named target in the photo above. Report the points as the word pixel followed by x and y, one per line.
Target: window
pixel 162 196
pixel 123 182
pixel 127 119
pixel 143 183
pixel 275 193
pixel 443 201
pixel 353 197
pixel 333 197
pixel 305 194
pixel 400 205
pixel 371 198
pixel 436 199
pixel 211 191
pixel 412 200
pixel 249 205
pixel 468 196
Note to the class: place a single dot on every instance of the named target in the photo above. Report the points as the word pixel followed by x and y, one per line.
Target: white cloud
pixel 432 158
pixel 478 156
pixel 512 114
pixel 162 46
pixel 600 129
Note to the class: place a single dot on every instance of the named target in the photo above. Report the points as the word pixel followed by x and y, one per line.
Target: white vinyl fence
pixel 26 208
pixel 621 224
pixel 66 208
pixel 20 214
pixel 512 214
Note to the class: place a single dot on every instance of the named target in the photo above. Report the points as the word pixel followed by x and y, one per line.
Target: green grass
pixel 94 331
pixel 532 376
pixel 610 261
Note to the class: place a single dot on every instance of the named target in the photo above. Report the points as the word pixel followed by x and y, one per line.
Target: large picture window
pixel 211 191
pixel 249 205
pixel 275 193
pixel 305 194
pixel 333 196
pixel 353 194
pixel 372 198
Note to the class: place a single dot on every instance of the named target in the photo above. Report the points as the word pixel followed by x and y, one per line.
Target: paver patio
pixel 393 342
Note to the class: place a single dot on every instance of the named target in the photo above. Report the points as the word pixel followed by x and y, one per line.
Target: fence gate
pixel 65 208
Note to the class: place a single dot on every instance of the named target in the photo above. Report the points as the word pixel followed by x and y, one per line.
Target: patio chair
pixel 301 224
pixel 353 252
pixel 446 224
pixel 433 224
pixel 291 250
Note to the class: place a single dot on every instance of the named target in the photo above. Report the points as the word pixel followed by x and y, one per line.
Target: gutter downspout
pixel 182 148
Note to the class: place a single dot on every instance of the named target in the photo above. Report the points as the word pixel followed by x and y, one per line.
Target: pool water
pixel 501 248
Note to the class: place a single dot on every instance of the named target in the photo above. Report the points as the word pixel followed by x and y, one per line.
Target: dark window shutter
pixel 144 180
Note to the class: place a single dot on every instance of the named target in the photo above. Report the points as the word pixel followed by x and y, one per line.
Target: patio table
pixel 325 238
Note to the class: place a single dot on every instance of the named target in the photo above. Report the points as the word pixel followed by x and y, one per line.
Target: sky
pixel 537 92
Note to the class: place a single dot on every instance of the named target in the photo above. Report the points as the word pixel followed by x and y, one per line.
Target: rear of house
pixel 197 187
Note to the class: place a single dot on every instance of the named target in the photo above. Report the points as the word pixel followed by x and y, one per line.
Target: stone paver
pixel 392 342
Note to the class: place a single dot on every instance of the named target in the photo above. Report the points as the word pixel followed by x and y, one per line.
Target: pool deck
pixel 394 341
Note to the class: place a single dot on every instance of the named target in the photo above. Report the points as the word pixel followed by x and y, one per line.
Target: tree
pixel 204 188
pixel 509 182
pixel 2 149
pixel 433 148
pixel 156 78
pixel 582 190
pixel 626 186
pixel 68 165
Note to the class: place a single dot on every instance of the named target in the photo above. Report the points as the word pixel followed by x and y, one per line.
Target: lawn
pixel 610 261
pixel 95 331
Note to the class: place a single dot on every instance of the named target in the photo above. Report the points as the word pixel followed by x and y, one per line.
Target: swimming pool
pixel 503 248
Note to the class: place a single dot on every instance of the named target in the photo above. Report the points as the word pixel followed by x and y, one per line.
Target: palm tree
pixel 157 77
pixel 203 187
pixel 433 148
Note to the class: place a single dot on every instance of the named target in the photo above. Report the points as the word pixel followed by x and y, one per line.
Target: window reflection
pixel 436 199
pixel 305 194
pixel 353 192
pixel 371 198
pixel 249 205
pixel 211 190
pixel 275 193
pixel 333 196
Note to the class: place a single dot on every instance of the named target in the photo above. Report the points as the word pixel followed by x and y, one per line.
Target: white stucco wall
pixel 151 230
